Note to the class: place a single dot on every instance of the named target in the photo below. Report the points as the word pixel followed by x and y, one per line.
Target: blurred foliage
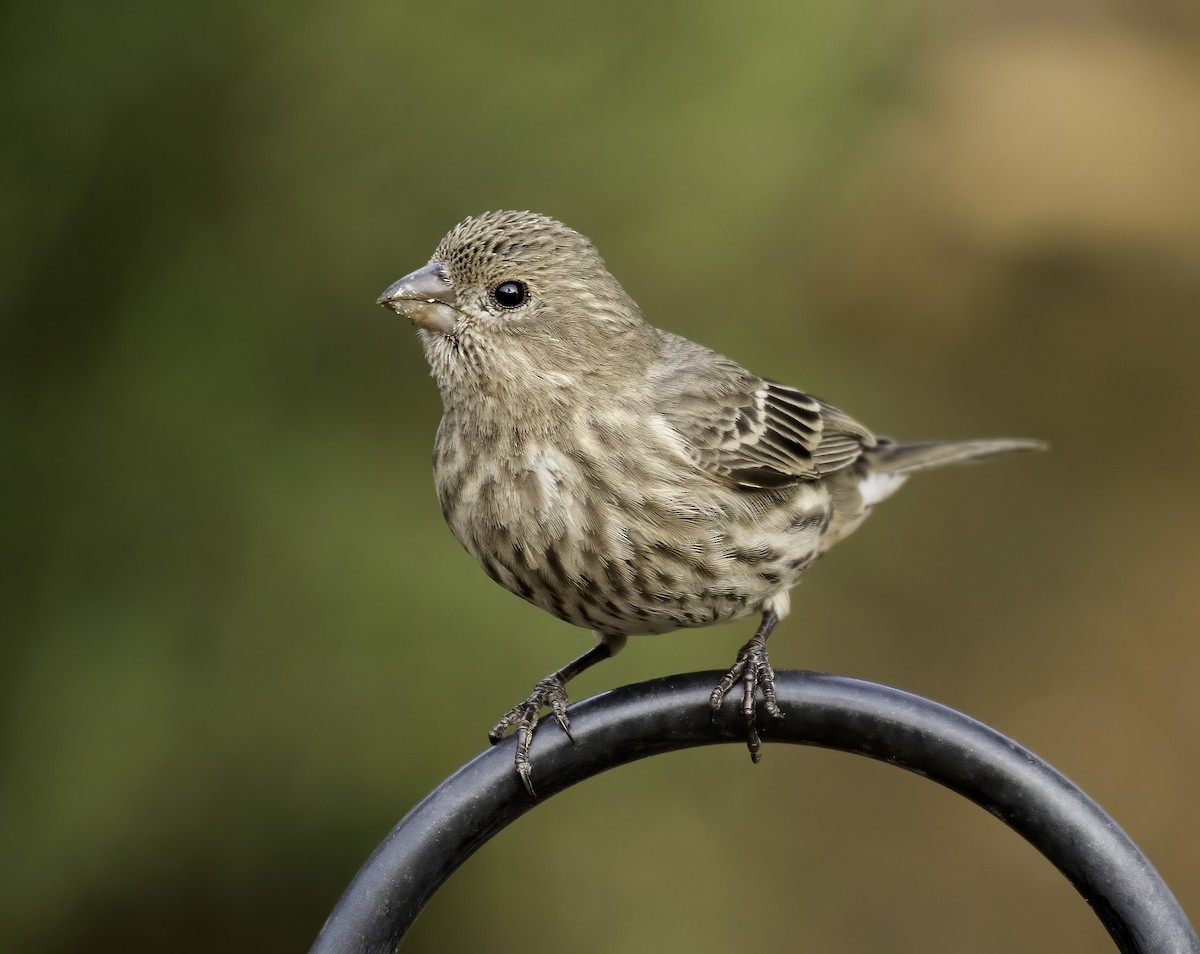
pixel 238 642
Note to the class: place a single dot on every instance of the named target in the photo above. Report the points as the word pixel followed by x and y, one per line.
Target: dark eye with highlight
pixel 511 294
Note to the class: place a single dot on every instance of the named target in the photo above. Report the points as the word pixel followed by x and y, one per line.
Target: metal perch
pixel 664 715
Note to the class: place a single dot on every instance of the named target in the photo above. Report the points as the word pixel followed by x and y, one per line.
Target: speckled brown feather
pixel 623 478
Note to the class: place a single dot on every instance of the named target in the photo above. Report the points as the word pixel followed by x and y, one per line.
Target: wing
pixel 757 433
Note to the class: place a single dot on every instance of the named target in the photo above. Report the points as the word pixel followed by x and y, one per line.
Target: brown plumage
pixel 626 479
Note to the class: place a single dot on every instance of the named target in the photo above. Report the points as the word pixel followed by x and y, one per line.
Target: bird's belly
pixel 629 556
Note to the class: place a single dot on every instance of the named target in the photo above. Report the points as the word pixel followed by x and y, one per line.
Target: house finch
pixel 620 477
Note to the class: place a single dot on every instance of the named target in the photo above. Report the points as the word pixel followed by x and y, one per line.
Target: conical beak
pixel 426 298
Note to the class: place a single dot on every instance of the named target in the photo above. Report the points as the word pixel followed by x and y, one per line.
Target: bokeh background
pixel 238 641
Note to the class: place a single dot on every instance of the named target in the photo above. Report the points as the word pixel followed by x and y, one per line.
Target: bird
pixel 623 478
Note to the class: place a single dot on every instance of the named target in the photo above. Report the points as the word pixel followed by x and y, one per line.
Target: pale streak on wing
pixel 754 433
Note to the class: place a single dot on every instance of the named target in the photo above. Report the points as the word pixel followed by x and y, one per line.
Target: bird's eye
pixel 511 294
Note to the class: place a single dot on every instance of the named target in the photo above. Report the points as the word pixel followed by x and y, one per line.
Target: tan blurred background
pixel 238 641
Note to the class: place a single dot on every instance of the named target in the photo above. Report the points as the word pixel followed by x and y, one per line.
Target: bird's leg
pixel 552 692
pixel 754 670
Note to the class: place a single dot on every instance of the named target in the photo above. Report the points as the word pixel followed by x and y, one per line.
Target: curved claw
pixel 550 692
pixel 753 669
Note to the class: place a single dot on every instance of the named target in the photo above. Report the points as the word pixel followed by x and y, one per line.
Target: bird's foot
pixel 551 692
pixel 753 669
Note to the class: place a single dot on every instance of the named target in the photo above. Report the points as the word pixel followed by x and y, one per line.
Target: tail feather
pixel 896 458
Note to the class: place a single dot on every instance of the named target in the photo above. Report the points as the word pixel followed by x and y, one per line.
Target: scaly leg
pixel 552 692
pixel 753 669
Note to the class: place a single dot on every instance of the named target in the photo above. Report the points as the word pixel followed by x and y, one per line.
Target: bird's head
pixel 516 297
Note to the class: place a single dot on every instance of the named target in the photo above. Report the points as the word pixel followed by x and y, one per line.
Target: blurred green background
pixel 238 641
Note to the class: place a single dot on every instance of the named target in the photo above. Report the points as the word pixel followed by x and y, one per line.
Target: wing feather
pixel 752 432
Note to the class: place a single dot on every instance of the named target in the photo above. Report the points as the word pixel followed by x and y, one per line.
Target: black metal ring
pixel 835 712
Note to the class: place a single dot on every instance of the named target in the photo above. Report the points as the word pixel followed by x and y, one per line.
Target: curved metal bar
pixel 835 712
